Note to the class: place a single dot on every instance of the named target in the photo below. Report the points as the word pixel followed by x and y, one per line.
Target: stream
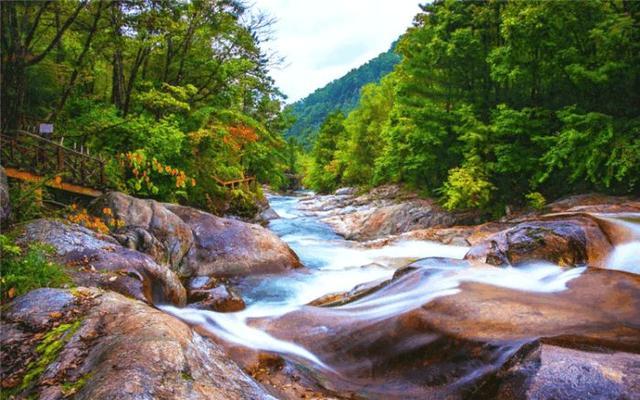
pixel 337 265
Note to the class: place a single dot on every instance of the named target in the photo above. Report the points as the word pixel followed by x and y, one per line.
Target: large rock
pixel 431 333
pixel 594 202
pixel 229 247
pixel 394 219
pixel 566 240
pixel 99 260
pixel 105 346
pixel 5 206
pixel 543 371
pixel 149 226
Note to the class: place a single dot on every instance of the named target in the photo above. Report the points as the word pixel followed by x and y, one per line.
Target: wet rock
pixel 341 298
pixel 386 210
pixel 136 238
pixel 119 348
pixel 419 337
pixel 99 260
pixel 162 226
pixel 565 240
pixel 594 202
pixel 394 219
pixel 221 298
pixel 5 205
pixel 455 235
pixel 346 191
pixel 228 247
pixel 269 214
pixel 543 371
pixel 34 311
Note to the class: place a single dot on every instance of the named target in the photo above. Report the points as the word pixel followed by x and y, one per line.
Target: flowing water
pixel 336 265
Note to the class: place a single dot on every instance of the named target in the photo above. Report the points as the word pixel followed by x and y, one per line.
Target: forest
pixel 341 94
pixel 172 93
pixel 498 104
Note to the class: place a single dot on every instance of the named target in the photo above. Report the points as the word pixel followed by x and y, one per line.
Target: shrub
pixel 466 187
pixel 536 200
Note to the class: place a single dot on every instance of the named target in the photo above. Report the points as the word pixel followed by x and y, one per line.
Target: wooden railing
pixel 234 183
pixel 36 156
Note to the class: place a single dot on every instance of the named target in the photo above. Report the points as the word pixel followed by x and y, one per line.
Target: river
pixel 335 265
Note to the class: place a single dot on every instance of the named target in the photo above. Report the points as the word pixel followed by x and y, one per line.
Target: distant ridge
pixel 340 94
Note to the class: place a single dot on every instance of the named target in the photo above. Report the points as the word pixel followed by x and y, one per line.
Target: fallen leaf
pixel 55 315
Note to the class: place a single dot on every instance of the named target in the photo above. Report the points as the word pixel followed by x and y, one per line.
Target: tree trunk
pixel 79 62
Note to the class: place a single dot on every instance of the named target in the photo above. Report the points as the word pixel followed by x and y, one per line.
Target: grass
pixel 23 270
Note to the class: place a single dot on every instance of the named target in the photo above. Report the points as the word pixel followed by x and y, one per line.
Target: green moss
pixel 186 376
pixel 48 350
pixel 71 388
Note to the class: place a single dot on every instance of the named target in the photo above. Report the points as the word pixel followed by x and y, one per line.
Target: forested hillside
pixel 498 103
pixel 341 94
pixel 174 93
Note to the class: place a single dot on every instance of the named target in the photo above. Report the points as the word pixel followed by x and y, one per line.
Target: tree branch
pixel 59 34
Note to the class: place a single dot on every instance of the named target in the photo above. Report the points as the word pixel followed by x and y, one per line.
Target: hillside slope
pixel 341 94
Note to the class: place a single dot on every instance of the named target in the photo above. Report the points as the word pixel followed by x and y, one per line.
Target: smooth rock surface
pixel 122 349
pixel 229 247
pixel 163 226
pixel 565 240
pixel 99 260
pixel 550 372
pixel 221 298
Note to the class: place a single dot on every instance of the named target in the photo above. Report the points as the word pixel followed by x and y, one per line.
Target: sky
pixel 322 40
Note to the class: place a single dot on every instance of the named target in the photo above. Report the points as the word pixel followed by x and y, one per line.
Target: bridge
pixel 33 158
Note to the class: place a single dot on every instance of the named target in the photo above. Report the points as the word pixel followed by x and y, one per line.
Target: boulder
pixel 95 259
pixel 221 298
pixel 564 240
pixel 105 346
pixel 544 371
pixel 269 214
pixel 214 294
pixel 167 239
pixel 224 247
pixel 5 206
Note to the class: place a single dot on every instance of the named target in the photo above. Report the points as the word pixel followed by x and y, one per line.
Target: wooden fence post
pixel 60 159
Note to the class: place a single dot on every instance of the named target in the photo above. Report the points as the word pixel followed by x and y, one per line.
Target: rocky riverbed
pixel 383 295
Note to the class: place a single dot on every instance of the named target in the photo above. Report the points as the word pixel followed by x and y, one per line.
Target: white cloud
pixel 322 40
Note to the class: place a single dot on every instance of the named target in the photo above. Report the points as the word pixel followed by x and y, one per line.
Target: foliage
pixel 325 170
pixel 27 269
pixel 149 79
pixel 104 225
pixel 536 200
pixel 26 200
pixel 494 104
pixel 149 177
pixel 341 94
pixel 466 187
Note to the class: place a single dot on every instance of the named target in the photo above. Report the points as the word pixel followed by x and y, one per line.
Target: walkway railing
pixel 31 157
pixel 234 183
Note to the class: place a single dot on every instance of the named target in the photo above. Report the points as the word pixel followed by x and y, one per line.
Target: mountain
pixel 341 94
